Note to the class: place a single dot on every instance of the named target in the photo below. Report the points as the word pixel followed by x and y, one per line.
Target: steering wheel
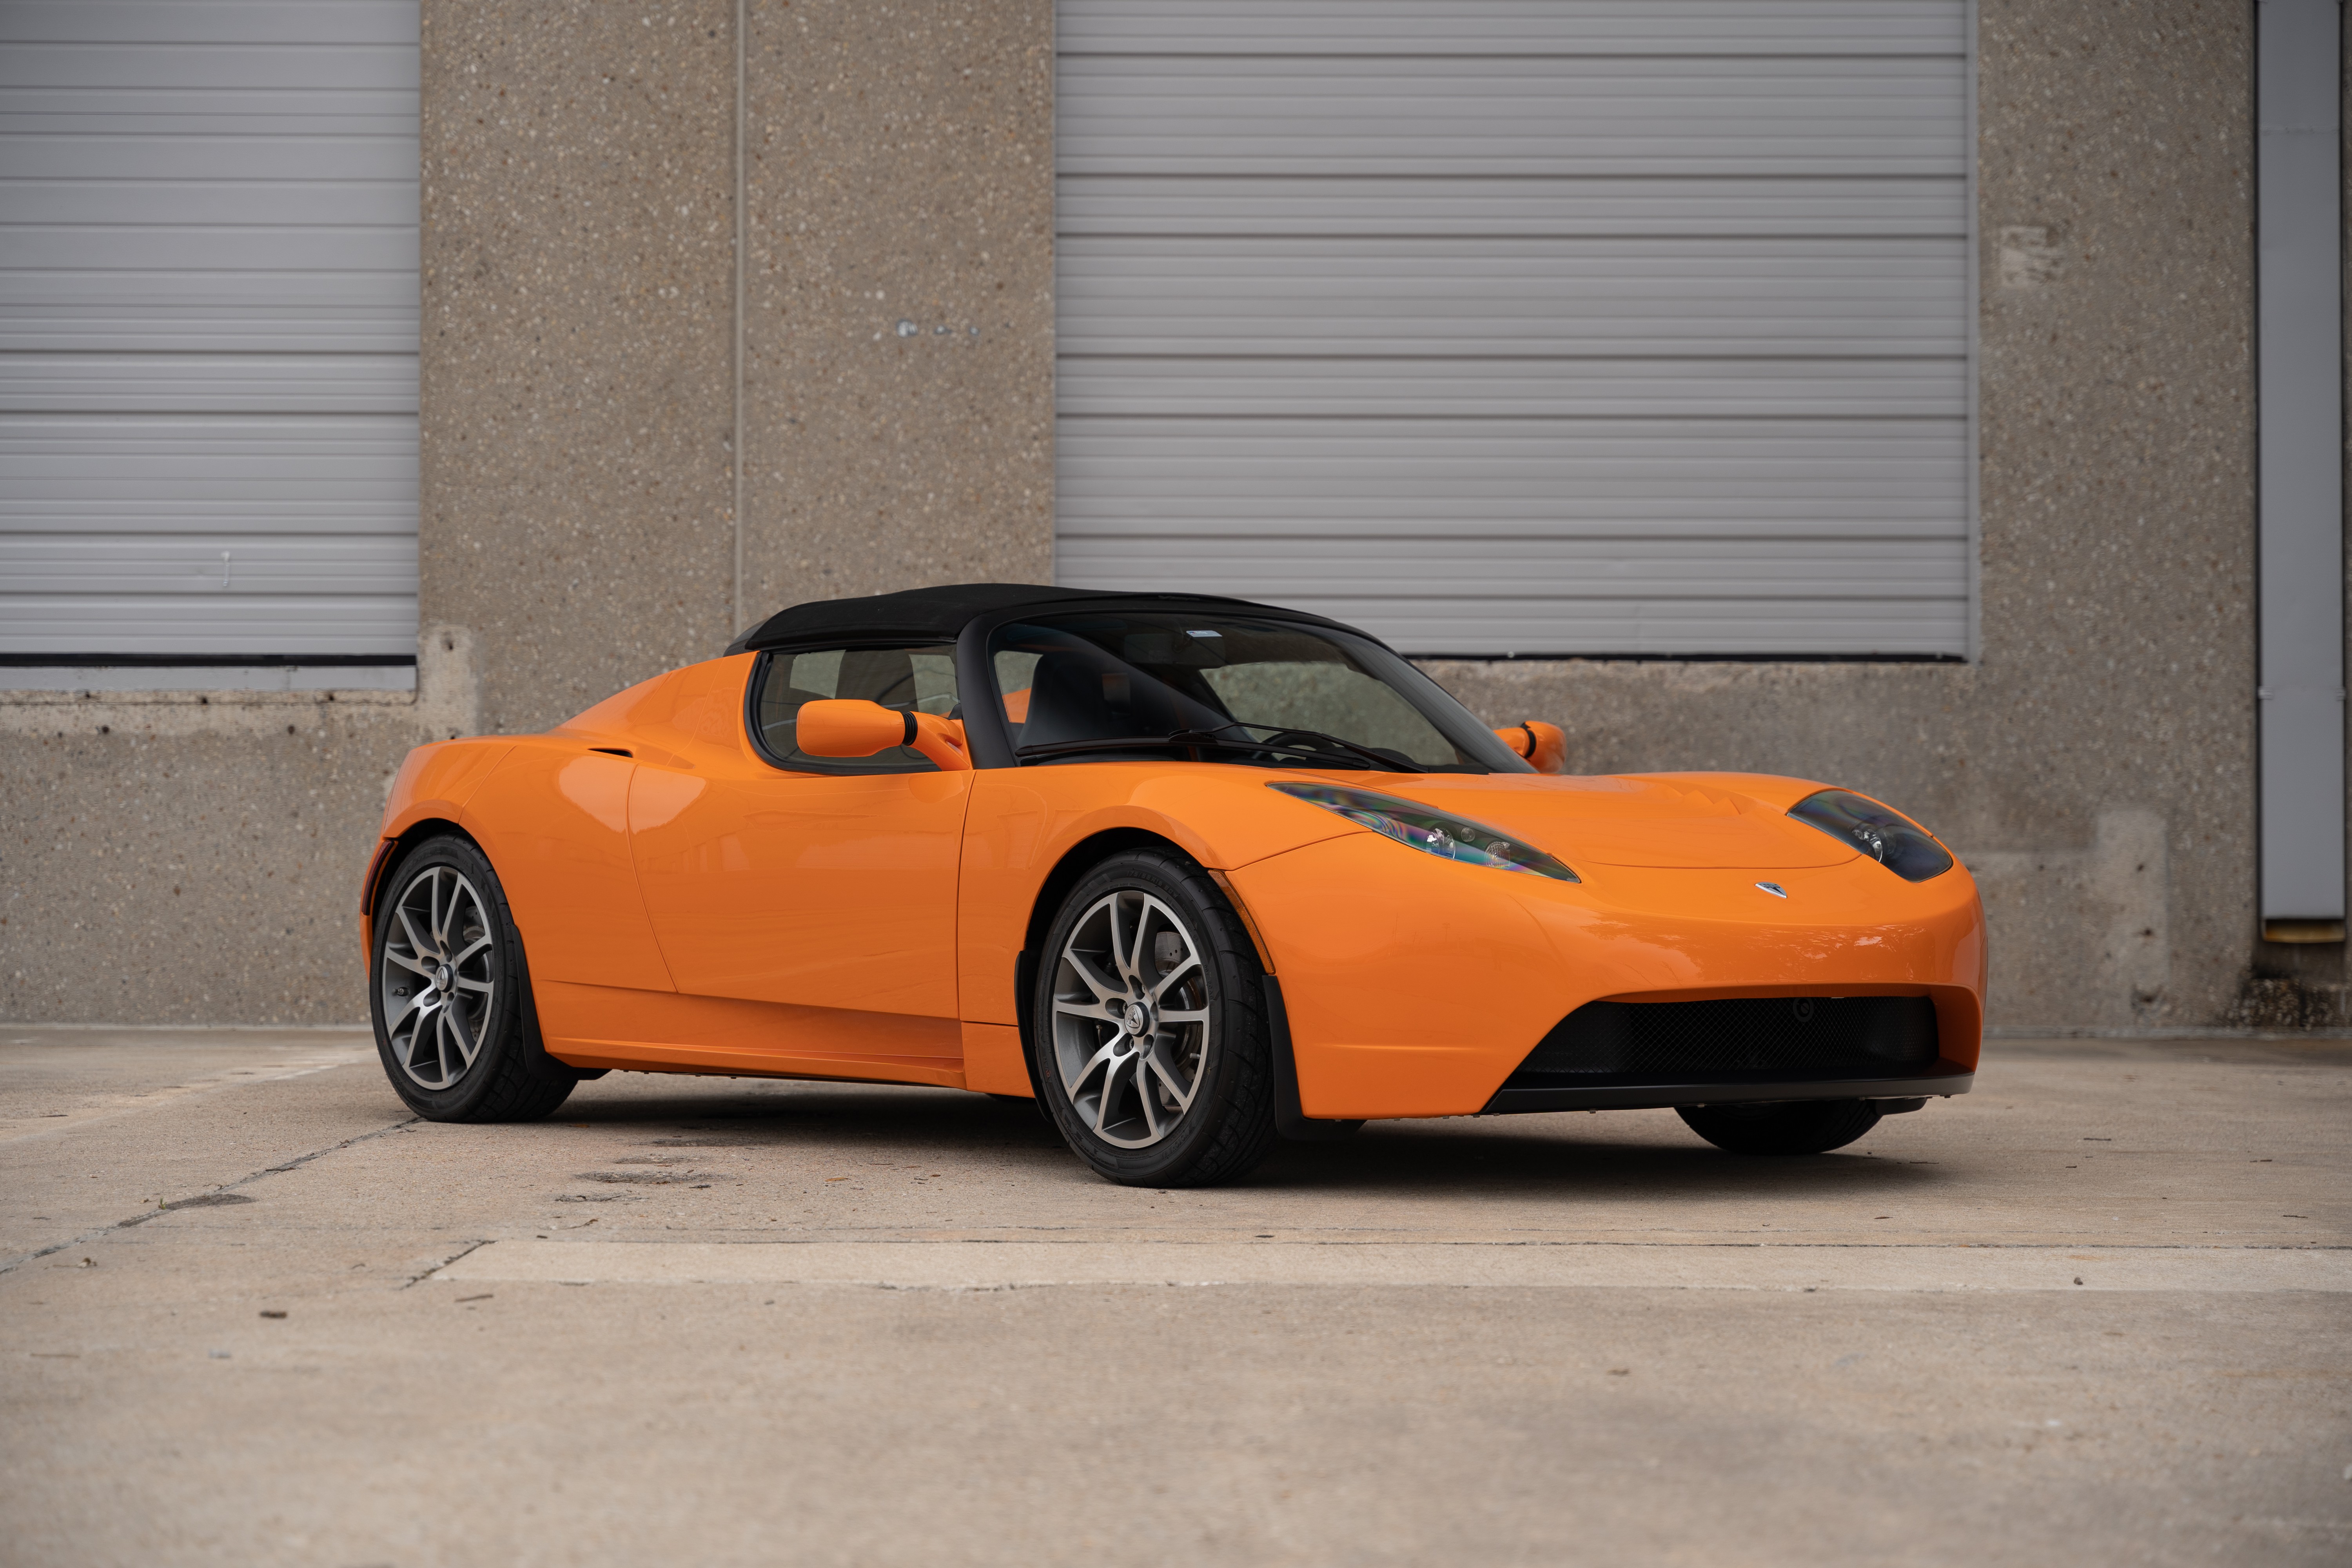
pixel 1307 739
pixel 1312 740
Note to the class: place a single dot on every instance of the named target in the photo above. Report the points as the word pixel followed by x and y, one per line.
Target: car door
pixel 823 886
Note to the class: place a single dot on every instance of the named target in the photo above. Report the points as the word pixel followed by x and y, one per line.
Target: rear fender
pixel 433 785
pixel 438 780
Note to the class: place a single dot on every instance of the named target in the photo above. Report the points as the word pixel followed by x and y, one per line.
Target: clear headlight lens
pixel 1892 840
pixel 1431 832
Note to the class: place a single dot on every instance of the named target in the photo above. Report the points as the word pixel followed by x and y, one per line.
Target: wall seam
pixel 1973 637
pixel 735 348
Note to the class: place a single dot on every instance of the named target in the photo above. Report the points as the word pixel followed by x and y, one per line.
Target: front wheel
pixel 450 997
pixel 1148 1027
pixel 1797 1127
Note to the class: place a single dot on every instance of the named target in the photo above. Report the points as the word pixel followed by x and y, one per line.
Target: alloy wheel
pixel 438 977
pixel 1131 1027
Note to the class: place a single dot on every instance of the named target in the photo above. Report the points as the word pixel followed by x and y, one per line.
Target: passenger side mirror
pixel 1544 745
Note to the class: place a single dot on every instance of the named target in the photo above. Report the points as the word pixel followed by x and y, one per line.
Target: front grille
pixel 1704 1042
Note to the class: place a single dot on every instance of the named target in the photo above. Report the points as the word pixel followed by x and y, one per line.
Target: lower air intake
pixel 1707 1042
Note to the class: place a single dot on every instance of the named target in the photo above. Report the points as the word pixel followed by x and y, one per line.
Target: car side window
pixel 921 678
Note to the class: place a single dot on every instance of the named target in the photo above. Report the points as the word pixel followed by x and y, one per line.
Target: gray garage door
pixel 207 329
pixel 1524 326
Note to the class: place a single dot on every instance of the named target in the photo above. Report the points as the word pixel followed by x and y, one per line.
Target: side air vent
pixel 1691 1042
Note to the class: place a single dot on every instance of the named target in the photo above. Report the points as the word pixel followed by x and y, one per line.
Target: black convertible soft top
pixel 938 615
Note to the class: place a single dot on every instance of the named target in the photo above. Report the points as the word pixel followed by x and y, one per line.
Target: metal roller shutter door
pixel 1524 326
pixel 209 322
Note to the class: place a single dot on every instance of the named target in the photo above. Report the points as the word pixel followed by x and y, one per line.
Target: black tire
pixel 510 1076
pixel 1797 1127
pixel 1227 1124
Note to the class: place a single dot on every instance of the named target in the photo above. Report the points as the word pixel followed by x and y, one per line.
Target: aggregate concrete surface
pixel 251 1312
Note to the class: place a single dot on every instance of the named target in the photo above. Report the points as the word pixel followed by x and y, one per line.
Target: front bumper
pixel 1418 987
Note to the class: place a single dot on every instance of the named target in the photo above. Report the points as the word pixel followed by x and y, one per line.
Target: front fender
pixel 1024 821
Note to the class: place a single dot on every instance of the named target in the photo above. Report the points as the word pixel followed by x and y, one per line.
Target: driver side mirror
pixel 854 727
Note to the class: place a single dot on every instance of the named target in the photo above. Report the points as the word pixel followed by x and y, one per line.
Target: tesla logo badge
pixel 1774 888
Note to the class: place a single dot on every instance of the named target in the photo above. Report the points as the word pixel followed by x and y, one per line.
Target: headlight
pixel 1895 841
pixel 1431 832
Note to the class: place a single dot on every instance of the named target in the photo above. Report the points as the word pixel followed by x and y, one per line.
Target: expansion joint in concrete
pixel 12 1264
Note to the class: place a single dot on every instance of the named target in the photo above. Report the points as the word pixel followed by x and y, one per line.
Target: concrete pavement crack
pixel 87 1236
pixel 468 1250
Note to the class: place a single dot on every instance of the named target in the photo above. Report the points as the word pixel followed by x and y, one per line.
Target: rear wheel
pixel 1148 1027
pixel 1798 1127
pixel 450 996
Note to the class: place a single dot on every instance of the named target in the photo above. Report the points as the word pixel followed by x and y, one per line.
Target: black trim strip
pixel 375 875
pixel 1946 1078
pixel 1290 1119
pixel 987 737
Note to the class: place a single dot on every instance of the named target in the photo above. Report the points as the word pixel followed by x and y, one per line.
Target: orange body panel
pixel 819 890
pixel 553 819
pixel 436 781
pixel 993 1059
pixel 1381 1026
pixel 1024 821
pixel 605 1027
pixel 1632 822
pixel 687 906
pixel 434 784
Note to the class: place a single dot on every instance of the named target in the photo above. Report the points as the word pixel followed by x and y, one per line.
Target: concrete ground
pixel 2098 1311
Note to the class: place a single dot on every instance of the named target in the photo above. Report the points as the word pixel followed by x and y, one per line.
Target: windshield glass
pixel 1228 688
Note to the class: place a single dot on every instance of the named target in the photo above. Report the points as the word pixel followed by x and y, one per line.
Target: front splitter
pixel 1943 1080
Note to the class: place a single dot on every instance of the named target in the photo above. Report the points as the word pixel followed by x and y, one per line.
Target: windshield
pixel 1228 688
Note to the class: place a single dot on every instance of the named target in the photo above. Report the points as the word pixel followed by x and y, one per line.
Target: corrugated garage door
pixel 1524 326
pixel 208 306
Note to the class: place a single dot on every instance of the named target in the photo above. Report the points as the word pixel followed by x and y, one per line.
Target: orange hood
pixel 1681 820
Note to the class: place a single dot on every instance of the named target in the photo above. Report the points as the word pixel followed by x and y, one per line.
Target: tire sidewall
pixel 1234 1027
pixel 510 1010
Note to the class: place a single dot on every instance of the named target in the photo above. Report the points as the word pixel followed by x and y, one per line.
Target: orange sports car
pixel 1196 874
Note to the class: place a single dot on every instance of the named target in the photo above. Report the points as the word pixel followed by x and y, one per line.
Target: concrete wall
pixel 579 277
pixel 2095 766
pixel 195 858
pixel 582 359
pixel 898 326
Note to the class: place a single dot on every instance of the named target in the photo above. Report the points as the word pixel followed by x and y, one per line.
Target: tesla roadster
pixel 1195 874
